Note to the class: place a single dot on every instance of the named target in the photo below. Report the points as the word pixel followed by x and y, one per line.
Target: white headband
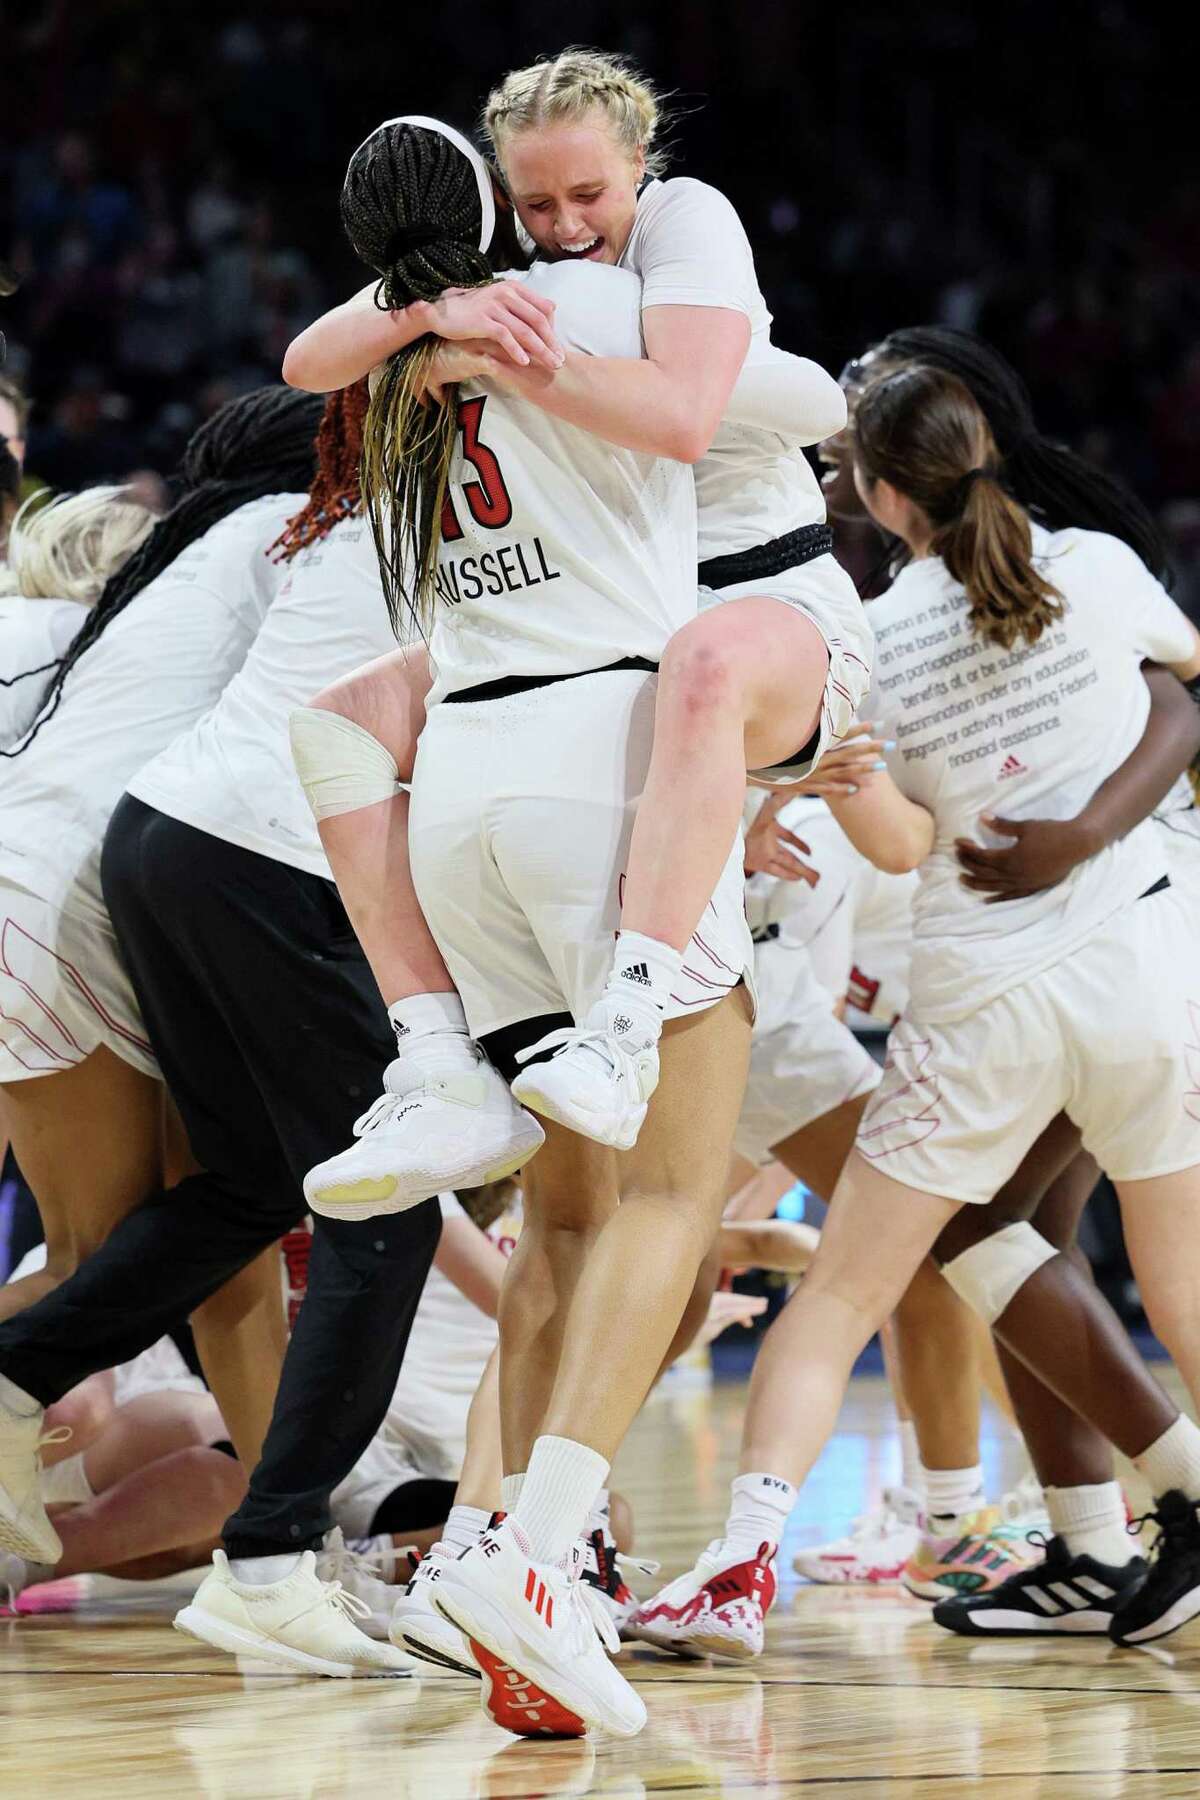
pixel 483 178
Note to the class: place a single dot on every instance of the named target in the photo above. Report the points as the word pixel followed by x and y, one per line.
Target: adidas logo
pixel 637 972
pixel 1012 765
pixel 401 1031
pixel 541 1602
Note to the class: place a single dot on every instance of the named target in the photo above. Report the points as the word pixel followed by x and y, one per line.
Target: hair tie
pixel 960 492
pixel 417 236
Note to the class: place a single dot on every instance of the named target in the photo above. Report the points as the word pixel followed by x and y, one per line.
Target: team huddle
pixel 466 827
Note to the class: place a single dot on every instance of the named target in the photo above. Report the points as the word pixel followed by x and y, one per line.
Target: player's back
pixel 560 552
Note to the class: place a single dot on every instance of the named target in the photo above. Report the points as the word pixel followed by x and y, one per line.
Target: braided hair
pixel 259 444
pixel 336 491
pixel 411 210
pixel 1059 487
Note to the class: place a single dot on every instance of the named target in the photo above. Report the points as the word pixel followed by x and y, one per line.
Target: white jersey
pixel 689 248
pixel 1024 733
pixel 34 635
pixel 564 553
pixel 232 774
pixel 160 664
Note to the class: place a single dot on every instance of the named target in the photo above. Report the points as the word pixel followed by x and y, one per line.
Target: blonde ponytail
pixel 69 547
pixel 566 88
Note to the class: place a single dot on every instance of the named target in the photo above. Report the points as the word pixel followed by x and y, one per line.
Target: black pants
pixel 271 1035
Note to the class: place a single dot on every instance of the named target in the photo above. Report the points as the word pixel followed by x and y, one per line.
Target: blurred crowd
pixel 169 181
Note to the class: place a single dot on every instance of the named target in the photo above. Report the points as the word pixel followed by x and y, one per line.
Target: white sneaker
pixel 418 1626
pixel 1025 1506
pixel 423 1136
pixel 358 1575
pixel 25 1526
pixel 301 1623
pixel 596 1083
pixel 719 1608
pixel 876 1548
pixel 540 1641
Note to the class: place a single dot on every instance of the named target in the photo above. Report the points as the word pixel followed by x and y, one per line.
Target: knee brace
pixel 341 767
pixel 990 1274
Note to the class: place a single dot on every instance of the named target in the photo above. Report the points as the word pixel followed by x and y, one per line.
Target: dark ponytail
pixel 411 210
pixel 923 431
pixel 1060 488
pixel 262 443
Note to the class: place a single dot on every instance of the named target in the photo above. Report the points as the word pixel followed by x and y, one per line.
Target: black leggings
pixel 272 1037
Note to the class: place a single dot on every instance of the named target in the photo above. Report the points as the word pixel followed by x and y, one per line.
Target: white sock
pixel 66 1483
pixel 1173 1460
pixel 949 1493
pixel 1091 1522
pixel 911 1475
pixel 262 1571
pixel 464 1526
pixel 759 1511
pixel 431 1033
pixel 510 1491
pixel 644 971
pixel 16 1400
pixel 560 1486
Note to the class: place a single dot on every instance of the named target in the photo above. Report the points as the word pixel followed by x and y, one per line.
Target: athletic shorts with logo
pixel 824 593
pixel 64 991
pixel 1110 1035
pixel 522 812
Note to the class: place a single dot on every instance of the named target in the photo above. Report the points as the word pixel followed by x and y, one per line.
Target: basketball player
pixel 1003 1028
pixel 779 672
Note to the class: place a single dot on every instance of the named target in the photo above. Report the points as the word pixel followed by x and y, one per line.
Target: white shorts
pixel 159 1370
pixel 385 1465
pixel 803 1061
pixel 522 811
pixel 63 988
pixel 824 593
pixel 1110 1035
pixel 877 988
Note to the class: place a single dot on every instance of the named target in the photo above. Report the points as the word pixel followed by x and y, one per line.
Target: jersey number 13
pixel 486 496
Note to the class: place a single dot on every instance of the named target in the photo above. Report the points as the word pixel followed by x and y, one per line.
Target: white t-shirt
pixel 689 248
pixel 34 635
pixel 1026 733
pixel 156 668
pixel 231 774
pixel 570 553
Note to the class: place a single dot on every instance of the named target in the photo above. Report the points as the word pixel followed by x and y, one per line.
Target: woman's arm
pixel 467 1257
pixel 892 831
pixel 346 343
pixel 791 396
pixel 1044 851
pixel 667 403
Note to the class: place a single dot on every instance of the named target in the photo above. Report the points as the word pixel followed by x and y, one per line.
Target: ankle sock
pixel 464 1526
pixel 263 1571
pixel 760 1507
pixel 1173 1460
pixel 16 1400
pixel 66 1483
pixel 510 1491
pixel 431 1033
pixel 644 971
pixel 559 1490
pixel 1091 1522
pixel 911 1475
pixel 949 1493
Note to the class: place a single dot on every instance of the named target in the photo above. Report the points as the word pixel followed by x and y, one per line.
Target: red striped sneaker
pixel 540 1639
pixel 719 1608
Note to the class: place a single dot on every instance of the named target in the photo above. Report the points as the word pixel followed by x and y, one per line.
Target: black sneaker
pixel 1170 1594
pixel 1062 1595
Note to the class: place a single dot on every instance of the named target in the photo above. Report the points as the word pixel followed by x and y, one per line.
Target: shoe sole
pixel 431 1652
pixel 934 1590
pixel 1174 1619
pixel 194 1622
pixel 381 1196
pixel 489 1635
pixel 547 1108
pixel 724 1649
pixel 517 1704
pixel 24 1542
pixel 643 1634
pixel 1086 1624
pixel 851 1578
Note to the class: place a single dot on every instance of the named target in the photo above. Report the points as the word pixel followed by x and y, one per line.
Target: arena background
pixel 169 180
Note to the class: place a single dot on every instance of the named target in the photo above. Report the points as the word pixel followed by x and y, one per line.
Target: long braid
pixel 1060 487
pixel 336 491
pixel 411 210
pixel 259 444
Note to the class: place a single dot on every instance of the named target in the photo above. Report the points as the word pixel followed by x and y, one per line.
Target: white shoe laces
pixel 348 1563
pixel 611 1051
pixel 343 1601
pixel 593 1605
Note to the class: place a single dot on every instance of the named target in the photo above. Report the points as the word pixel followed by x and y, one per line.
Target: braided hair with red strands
pixel 336 492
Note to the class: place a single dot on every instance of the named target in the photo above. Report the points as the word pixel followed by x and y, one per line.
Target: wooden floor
pixel 859 1693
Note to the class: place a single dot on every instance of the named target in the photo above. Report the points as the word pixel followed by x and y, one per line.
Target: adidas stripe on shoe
pixel 1063 1595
